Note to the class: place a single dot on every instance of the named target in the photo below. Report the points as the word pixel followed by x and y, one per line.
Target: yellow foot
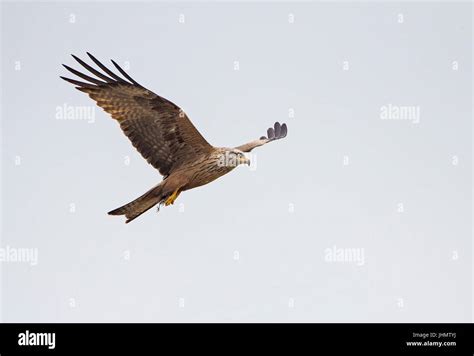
pixel 171 198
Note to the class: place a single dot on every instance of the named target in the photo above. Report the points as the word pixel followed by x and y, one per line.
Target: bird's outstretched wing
pixel 274 133
pixel 158 129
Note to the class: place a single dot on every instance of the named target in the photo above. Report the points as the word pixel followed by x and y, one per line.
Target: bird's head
pixel 231 157
pixel 240 157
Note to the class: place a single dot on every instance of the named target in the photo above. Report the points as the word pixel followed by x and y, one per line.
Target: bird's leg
pixel 172 197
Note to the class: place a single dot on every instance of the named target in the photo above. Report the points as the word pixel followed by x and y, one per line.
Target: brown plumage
pixel 163 135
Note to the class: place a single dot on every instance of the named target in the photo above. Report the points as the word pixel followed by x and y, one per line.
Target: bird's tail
pixel 138 206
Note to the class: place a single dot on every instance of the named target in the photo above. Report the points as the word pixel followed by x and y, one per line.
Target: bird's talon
pixel 171 198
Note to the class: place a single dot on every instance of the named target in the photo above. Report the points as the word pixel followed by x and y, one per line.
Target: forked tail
pixel 138 206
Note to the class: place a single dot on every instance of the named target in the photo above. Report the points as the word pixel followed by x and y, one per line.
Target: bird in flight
pixel 163 135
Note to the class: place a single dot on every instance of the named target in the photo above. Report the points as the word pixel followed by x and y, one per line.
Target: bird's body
pixel 207 168
pixel 164 136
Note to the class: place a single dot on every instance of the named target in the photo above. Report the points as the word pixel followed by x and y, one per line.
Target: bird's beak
pixel 245 160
